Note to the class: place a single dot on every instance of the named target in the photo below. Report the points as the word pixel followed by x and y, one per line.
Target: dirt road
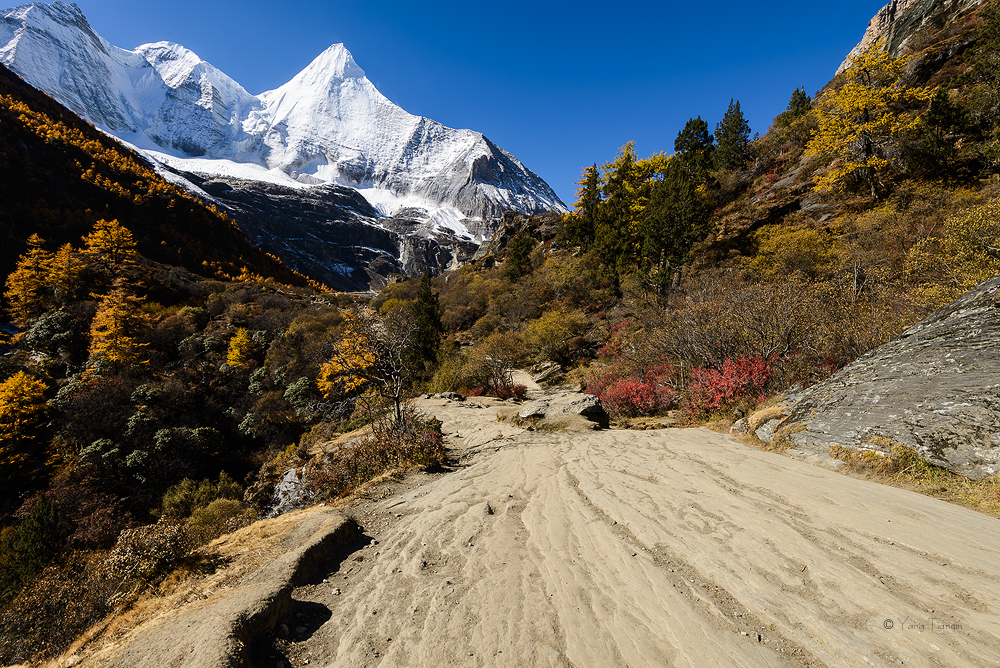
pixel 677 547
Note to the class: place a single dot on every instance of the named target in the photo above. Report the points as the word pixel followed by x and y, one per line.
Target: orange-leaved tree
pixel 112 244
pixel 371 355
pixel 25 290
pixel 22 407
pixel 113 330
pixel 242 349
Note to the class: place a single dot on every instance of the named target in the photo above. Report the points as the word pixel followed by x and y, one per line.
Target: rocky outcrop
pixel 895 24
pixel 936 389
pixel 333 234
pixel 565 409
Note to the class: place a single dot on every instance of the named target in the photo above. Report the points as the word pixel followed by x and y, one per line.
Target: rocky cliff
pixel 936 389
pixel 896 24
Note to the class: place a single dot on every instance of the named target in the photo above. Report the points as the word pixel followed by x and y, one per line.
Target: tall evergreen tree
pixel 732 138
pixel 798 106
pixel 427 318
pixel 578 226
pixel 694 147
pixel 675 218
pixel 518 263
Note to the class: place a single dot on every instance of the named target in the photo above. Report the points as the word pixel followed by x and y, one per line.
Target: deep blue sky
pixel 561 85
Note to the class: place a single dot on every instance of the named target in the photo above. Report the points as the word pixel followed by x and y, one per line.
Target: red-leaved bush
pixel 735 381
pixel 645 393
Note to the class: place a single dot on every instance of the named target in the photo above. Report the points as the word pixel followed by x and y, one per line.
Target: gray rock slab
pixel 936 389
pixel 565 405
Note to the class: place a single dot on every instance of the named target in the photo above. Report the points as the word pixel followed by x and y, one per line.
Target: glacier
pixel 329 125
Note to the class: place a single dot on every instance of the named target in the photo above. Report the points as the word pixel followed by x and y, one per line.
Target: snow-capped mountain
pixel 328 125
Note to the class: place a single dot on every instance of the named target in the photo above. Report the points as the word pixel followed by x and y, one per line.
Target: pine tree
pixel 694 149
pixel 578 226
pixel 427 317
pixel 675 218
pixel 518 261
pixel 113 330
pixel 111 244
pixel 732 138
pixel 26 285
pixel 799 104
pixel 242 349
pixel 862 120
pixel 26 549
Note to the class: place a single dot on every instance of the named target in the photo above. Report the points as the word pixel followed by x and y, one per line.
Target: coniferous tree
pixel 518 263
pixel 798 106
pixel 111 244
pixel 626 184
pixel 242 349
pixel 675 218
pixel 799 103
pixel 694 147
pixel 427 318
pixel 27 549
pixel 26 285
pixel 578 226
pixel 22 404
pixel 732 138
pixel 64 274
pixel 114 328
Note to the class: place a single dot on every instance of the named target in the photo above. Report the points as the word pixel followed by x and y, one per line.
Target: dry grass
pixel 211 572
pixel 900 466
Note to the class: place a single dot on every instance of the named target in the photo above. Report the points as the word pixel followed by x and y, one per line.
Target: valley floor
pixel 677 547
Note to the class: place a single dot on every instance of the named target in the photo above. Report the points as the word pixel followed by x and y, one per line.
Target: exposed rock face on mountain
pixel 936 388
pixel 328 125
pixel 897 22
pixel 333 234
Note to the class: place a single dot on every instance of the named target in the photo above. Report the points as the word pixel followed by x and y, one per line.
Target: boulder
pixel 564 407
pixel 936 389
pixel 290 494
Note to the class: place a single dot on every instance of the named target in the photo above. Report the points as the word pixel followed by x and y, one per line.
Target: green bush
pixel 187 496
pixel 27 548
pixel 219 517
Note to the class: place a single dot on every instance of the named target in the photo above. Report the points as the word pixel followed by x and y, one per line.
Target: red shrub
pixel 519 392
pixel 630 396
pixel 737 380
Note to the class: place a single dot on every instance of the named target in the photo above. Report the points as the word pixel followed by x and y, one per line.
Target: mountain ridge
pixel 328 124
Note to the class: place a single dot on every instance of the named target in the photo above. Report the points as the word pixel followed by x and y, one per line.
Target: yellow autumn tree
pixel 22 406
pixel 861 121
pixel 64 274
pixel 25 288
pixel 113 330
pixel 242 349
pixel 112 244
pixel 966 254
pixel 371 355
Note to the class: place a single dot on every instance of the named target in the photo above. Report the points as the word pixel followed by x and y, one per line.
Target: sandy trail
pixel 677 547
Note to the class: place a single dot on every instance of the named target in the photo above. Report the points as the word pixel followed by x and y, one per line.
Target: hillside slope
pixel 58 175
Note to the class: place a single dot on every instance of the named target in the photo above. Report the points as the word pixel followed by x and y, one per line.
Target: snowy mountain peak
pixel 329 124
pixel 333 65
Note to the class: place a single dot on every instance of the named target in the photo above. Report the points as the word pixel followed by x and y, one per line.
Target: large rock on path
pixel 565 408
pixel 936 388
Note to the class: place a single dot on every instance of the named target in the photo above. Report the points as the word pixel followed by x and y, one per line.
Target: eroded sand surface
pixel 677 547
